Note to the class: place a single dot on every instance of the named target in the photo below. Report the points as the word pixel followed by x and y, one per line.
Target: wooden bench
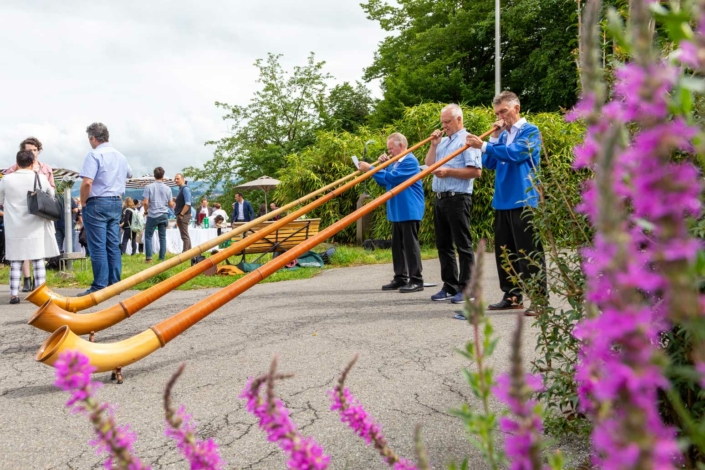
pixel 285 238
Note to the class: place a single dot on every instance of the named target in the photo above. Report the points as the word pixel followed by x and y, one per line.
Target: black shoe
pixel 411 287
pixel 27 285
pixel 394 285
pixel 88 292
pixel 14 300
pixel 508 303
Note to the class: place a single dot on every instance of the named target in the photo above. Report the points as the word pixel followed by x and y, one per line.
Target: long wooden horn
pixel 51 316
pixel 41 294
pixel 110 356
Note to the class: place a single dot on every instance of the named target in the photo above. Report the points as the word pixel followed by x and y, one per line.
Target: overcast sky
pixel 151 70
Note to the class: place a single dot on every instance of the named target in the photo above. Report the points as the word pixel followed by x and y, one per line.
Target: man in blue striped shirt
pixel 452 202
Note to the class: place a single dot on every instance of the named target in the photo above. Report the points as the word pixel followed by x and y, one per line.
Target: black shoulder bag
pixel 42 204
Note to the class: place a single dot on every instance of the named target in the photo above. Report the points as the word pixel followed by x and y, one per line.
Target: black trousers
pixel 127 235
pixel 513 229
pixel 451 220
pixel 406 253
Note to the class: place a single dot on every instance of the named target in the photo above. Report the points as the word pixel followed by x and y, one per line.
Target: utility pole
pixel 497 59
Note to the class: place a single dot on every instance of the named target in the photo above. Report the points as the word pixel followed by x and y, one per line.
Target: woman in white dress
pixel 27 236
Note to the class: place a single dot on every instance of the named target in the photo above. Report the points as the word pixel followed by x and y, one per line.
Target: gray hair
pixel 398 139
pixel 99 131
pixel 506 97
pixel 454 109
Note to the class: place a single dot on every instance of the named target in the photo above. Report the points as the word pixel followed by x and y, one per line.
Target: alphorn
pixel 41 294
pixel 113 356
pixel 50 316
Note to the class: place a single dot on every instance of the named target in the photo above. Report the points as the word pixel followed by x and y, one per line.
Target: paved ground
pixel 408 373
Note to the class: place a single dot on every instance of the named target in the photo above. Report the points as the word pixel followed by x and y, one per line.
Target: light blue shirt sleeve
pixel 187 196
pixel 90 167
pixel 145 192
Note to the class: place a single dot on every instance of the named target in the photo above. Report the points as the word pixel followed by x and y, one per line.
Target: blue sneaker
pixel 441 295
pixel 458 298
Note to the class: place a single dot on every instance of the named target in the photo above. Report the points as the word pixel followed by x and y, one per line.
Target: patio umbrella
pixel 141 182
pixel 265 183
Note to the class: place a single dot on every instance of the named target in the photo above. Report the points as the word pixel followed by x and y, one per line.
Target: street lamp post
pixel 497 61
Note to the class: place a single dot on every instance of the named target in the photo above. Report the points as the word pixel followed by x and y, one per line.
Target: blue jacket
pixel 409 204
pixel 247 211
pixel 514 167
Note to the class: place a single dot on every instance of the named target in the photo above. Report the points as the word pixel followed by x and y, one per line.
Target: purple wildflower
pixel 202 455
pixel 73 374
pixel 638 204
pixel 304 452
pixel 354 415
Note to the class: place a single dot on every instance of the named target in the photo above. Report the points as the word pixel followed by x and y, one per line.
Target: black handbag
pixel 42 204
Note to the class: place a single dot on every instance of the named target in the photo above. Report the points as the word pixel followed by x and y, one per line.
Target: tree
pixel 280 119
pixel 348 107
pixel 443 51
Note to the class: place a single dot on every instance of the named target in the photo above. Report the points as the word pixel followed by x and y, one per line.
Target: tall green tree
pixel 349 107
pixel 281 118
pixel 443 51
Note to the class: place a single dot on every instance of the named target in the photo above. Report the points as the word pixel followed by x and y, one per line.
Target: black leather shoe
pixel 508 303
pixel 411 287
pixel 14 300
pixel 394 285
pixel 27 285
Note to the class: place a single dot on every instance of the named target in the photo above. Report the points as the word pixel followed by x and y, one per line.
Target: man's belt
pixel 449 194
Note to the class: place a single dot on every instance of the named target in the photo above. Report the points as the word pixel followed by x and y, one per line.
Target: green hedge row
pixel 329 159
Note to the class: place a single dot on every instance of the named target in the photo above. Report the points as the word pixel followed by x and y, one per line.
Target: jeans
pixel 451 219
pixel 160 222
pixel 60 238
pixel 101 218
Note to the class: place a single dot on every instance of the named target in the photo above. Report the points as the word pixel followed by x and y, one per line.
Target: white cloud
pixel 151 71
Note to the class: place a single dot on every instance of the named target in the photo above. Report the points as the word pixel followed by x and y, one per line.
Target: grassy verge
pixel 345 256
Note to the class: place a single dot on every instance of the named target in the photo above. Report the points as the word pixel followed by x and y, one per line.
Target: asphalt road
pixel 408 373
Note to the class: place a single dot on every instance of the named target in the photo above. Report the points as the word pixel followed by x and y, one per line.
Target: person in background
pixel 242 210
pixel 29 237
pixel 218 211
pixel 126 224
pixel 262 210
pixel 142 208
pixel 272 208
pixel 452 187
pixel 182 209
pixel 33 145
pixel 105 172
pixel 157 195
pixel 405 212
pixel 514 151
pixel 204 210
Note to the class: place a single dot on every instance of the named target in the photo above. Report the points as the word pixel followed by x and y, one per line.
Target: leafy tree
pixel 349 107
pixel 443 51
pixel 280 119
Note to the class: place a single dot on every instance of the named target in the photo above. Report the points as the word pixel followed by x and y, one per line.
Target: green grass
pixel 345 256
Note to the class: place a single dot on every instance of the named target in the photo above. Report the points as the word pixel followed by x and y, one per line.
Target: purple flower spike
pixel 304 452
pixel 73 374
pixel 354 415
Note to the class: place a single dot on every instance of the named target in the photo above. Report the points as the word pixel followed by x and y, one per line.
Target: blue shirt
pixel 159 196
pixel 469 158
pixel 408 204
pixel 514 156
pixel 108 169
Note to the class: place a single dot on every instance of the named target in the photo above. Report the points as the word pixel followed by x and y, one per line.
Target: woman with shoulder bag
pixel 35 146
pixel 27 236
